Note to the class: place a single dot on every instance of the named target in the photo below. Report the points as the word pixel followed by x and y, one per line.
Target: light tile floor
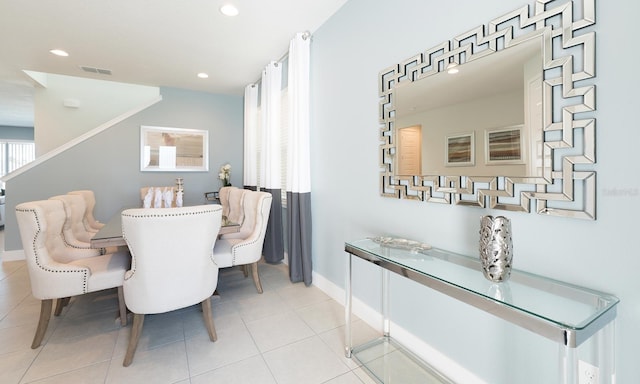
pixel 290 334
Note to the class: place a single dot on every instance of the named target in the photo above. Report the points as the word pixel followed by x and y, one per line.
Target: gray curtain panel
pixel 273 248
pixel 299 237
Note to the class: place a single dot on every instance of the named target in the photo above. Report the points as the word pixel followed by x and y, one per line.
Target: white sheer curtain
pixel 263 136
pixel 251 137
pixel 270 158
pixel 298 161
pixel 270 128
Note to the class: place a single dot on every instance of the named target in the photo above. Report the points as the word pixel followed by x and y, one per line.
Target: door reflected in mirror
pixel 410 150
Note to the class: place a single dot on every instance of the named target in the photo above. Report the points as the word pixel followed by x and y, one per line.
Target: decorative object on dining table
pixel 496 248
pixel 167 196
pixel 179 191
pixel 225 175
pixel 393 242
pixel 146 202
pixel 157 198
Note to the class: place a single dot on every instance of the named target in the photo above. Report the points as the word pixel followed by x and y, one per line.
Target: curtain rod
pixel 305 35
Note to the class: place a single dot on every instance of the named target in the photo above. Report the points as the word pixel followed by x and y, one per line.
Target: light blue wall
pixel 16 133
pixel 109 162
pixel 348 51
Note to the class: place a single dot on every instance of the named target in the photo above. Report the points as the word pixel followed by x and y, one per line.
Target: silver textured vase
pixel 496 248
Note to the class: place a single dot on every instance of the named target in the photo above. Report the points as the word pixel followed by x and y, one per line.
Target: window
pixel 15 154
pixel 284 134
pixel 284 139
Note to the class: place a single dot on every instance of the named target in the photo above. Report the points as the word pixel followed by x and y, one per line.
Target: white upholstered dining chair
pixel 246 250
pixel 172 263
pixel 57 271
pixel 89 220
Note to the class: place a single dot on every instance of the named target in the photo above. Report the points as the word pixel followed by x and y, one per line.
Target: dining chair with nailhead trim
pixel 172 265
pixel 58 271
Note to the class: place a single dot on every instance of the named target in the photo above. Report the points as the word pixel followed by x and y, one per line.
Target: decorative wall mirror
pixel 173 149
pixel 500 116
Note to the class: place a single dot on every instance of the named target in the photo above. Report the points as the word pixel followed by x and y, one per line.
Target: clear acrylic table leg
pixel 605 358
pixel 569 365
pixel 347 309
pixel 606 353
pixel 385 303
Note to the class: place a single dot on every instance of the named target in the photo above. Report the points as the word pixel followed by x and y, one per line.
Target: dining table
pixel 111 234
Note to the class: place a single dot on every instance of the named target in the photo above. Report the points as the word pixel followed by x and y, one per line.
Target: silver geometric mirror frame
pixel 567 184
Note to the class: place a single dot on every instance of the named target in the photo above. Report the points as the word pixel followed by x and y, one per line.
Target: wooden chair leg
pixel 256 277
pixel 45 314
pixel 60 304
pixel 245 270
pixel 208 319
pixel 136 330
pixel 122 307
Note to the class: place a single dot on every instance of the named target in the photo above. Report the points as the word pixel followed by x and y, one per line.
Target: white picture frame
pixel 504 145
pixel 460 150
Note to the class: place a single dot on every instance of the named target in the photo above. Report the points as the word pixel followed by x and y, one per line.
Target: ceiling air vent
pixel 97 70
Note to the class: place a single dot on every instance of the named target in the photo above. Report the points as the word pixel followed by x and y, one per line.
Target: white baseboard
pixel 13 255
pixel 436 359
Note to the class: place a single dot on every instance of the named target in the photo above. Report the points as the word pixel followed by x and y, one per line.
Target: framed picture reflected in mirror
pixel 504 146
pixel 459 150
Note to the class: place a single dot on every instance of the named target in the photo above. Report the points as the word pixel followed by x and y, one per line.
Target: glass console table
pixel 564 313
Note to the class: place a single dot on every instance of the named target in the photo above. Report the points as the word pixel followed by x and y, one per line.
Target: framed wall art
pixel 504 146
pixel 459 150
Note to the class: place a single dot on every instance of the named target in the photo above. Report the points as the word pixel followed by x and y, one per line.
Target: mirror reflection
pixel 173 149
pixel 485 119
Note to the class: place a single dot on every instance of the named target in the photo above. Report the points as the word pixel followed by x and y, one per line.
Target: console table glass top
pixel 562 312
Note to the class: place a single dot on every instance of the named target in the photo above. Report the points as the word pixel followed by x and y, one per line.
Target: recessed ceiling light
pixel 203 75
pixel 229 10
pixel 59 52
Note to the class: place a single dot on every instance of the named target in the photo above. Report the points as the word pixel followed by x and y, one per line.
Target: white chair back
pixel 257 206
pixel 74 231
pixel 90 222
pixel 172 262
pixel 40 224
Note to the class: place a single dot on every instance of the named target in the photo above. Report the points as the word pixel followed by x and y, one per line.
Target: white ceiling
pixel 148 42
